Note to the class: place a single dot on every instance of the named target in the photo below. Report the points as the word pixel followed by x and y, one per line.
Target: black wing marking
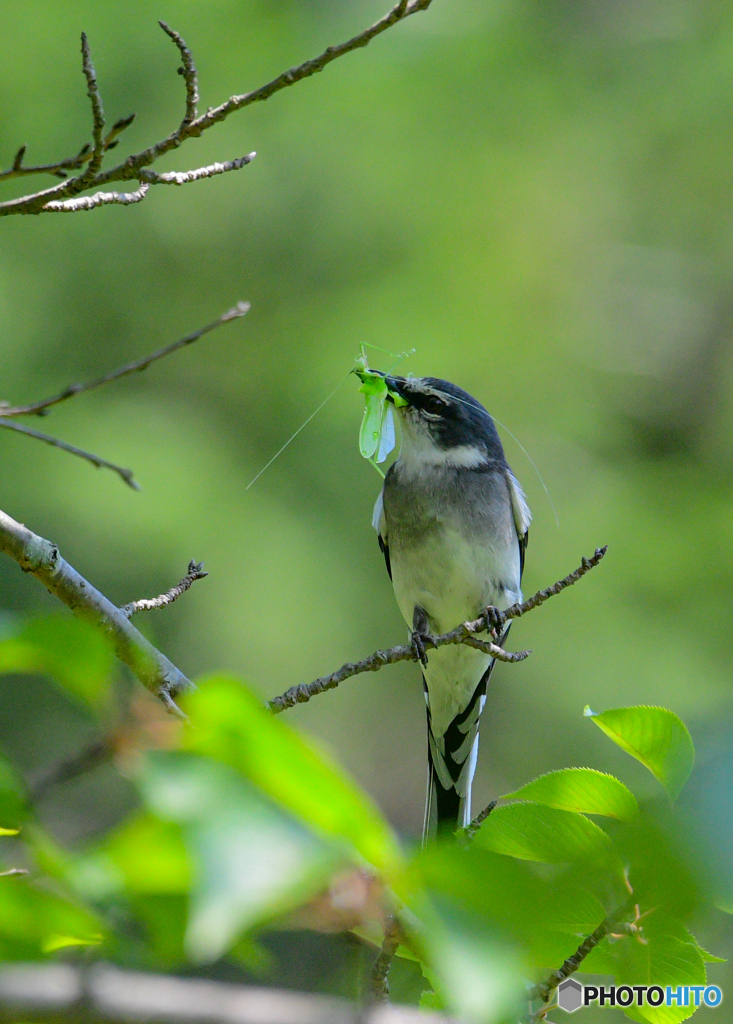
pixel 523 541
pixel 384 548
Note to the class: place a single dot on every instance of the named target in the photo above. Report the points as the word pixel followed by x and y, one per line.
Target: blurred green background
pixel 536 195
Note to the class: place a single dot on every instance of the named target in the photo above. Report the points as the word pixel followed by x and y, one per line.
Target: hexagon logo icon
pixel 570 995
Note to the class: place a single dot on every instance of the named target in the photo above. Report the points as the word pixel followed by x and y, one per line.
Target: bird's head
pixel 442 423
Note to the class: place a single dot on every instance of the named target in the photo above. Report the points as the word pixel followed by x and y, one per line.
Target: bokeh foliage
pixel 535 195
pixel 243 823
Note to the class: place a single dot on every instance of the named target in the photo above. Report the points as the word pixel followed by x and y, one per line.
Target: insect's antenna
pixel 301 427
pixel 529 458
pixel 399 358
pixel 386 351
pixel 534 467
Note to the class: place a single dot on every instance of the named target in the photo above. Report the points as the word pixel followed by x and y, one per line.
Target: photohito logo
pixel 571 995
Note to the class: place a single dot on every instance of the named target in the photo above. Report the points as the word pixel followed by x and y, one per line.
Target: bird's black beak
pixel 396 392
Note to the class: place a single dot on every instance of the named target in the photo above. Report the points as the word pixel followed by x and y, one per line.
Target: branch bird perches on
pixel 66 197
pixel 463 634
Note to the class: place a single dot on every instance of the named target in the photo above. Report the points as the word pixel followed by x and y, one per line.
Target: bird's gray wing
pixel 522 515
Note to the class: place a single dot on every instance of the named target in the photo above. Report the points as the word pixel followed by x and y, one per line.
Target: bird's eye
pixel 434 405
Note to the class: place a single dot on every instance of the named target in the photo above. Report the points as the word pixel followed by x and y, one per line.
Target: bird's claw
pixel 494 620
pixel 417 642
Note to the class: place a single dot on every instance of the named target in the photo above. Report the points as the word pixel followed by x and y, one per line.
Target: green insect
pixel 377 434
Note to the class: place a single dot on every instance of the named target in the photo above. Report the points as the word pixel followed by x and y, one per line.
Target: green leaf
pixel 231 725
pixel 474 974
pixel 654 736
pixel 72 652
pixel 430 1001
pixel 581 789
pixel 251 862
pixel 35 920
pixel 530 831
pixel 668 955
pixel 570 901
pixel 709 958
pixel 54 942
pixel 148 855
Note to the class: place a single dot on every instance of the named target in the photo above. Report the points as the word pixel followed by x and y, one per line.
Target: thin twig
pixel 42 407
pixel 517 610
pixel 466 834
pixel 191 126
pixel 42 559
pixel 545 988
pixel 188 71
pixel 184 177
pixel 195 572
pixel 86 178
pixel 18 170
pixel 73 163
pixel 95 99
pixel 96 460
pixel 39 408
pixel 380 969
pixel 463 634
pixel 13 871
pixel 95 754
pixel 399 12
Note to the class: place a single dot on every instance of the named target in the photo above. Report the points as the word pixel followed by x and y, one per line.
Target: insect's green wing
pixel 375 392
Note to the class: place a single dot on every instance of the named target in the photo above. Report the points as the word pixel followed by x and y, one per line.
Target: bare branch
pixel 545 989
pixel 95 161
pixel 463 634
pixel 58 169
pixel 466 834
pixel 192 126
pixel 189 74
pixel 42 559
pixel 399 12
pixel 184 177
pixel 380 970
pixel 40 408
pixel 19 170
pixel 195 572
pixel 117 128
pixel 96 460
pixel 401 652
pixel 13 871
pixel 98 199
pixel 517 610
pixel 95 754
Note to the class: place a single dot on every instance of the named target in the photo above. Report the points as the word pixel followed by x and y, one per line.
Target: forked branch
pixel 135 366
pixel 8 411
pixel 61 198
pixel 42 559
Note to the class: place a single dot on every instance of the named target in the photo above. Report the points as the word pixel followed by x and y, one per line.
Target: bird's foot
pixel 494 621
pixel 417 642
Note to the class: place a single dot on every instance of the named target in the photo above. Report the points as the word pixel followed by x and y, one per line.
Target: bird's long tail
pixel 451 767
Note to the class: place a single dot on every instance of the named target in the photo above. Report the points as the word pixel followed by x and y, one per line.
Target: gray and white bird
pixel 452 522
